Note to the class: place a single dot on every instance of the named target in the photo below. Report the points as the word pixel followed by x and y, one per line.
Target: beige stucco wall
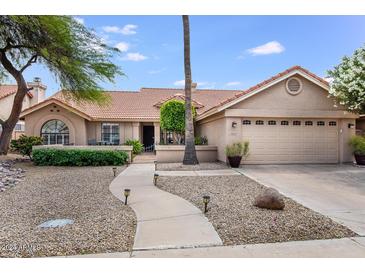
pixel 214 128
pixel 175 153
pixel 76 124
pixel 6 105
pixel 276 102
pixel 312 97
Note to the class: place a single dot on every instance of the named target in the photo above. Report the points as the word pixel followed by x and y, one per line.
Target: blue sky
pixel 227 52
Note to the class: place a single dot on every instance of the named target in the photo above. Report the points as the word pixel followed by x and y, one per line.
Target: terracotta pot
pixel 360 159
pixel 234 161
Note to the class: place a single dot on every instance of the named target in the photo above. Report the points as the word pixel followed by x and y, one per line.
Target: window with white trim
pixel 246 122
pixel 110 133
pixel 55 132
pixel 259 122
pixel 271 123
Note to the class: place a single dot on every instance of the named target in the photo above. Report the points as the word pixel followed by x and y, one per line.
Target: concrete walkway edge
pixel 164 220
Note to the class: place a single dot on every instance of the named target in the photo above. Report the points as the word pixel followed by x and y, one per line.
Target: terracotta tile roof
pixel 6 90
pixel 139 105
pixel 144 104
pixel 268 81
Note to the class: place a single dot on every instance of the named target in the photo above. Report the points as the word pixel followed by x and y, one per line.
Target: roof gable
pixel 179 97
pixel 263 86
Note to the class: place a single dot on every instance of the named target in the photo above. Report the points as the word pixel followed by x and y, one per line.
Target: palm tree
pixel 190 153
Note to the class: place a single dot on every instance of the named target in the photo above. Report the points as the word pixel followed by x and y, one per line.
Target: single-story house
pixel 288 118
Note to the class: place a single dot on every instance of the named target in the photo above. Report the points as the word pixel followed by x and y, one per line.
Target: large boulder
pixel 270 199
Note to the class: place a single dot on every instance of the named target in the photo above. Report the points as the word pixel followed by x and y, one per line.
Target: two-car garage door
pixel 291 140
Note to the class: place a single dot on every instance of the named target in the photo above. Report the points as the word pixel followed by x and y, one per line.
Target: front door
pixel 148 136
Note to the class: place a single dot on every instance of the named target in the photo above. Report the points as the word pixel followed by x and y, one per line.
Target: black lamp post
pixel 206 200
pixel 155 162
pixel 155 178
pixel 127 192
pixel 114 171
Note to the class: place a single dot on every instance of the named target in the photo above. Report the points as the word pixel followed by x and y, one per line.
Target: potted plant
pixel 236 152
pixel 357 144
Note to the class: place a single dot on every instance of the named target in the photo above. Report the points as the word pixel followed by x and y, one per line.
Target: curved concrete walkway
pixel 164 220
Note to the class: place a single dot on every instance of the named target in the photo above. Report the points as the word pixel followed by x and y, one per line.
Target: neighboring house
pixel 7 94
pixel 288 118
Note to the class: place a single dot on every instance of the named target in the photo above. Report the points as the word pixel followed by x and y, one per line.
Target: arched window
pixel 55 132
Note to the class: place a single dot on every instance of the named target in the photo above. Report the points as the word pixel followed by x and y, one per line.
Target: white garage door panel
pixel 291 144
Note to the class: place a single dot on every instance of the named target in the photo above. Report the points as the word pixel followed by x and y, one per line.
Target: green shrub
pixel 357 144
pixel 201 140
pixel 78 157
pixel 238 149
pixel 137 146
pixel 24 144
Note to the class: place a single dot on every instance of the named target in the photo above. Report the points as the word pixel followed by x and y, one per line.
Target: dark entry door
pixel 148 135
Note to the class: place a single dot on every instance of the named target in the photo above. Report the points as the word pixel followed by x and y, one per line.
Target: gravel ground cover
pixel 237 221
pixel 181 167
pixel 101 222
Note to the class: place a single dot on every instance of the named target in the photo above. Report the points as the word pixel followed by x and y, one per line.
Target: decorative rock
pixel 10 176
pixel 56 223
pixel 270 199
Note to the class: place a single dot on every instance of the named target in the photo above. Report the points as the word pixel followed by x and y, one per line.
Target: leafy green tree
pixel 76 57
pixel 190 157
pixel 348 84
pixel 172 117
pixel 24 144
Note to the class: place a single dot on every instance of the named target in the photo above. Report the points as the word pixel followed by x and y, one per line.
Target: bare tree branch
pixel 32 60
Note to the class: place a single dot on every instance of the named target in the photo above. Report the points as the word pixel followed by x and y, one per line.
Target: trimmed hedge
pixel 78 157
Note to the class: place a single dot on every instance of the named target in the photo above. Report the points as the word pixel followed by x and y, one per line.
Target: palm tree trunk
pixel 190 153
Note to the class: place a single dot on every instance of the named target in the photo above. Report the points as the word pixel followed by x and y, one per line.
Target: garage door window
pixel 332 123
pixel 320 123
pixel 259 122
pixel 285 123
pixel 246 122
pixel 296 123
pixel 308 123
pixel 272 123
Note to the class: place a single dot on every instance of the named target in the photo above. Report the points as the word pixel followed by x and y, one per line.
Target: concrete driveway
pixel 337 191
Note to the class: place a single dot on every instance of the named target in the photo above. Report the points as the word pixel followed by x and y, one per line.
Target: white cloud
pixel 128 29
pixel 272 47
pixel 135 56
pixel 179 83
pixel 122 46
pixel 234 83
pixel 156 71
pixel 79 20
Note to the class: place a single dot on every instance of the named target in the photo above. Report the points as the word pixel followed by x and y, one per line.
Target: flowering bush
pixel 348 84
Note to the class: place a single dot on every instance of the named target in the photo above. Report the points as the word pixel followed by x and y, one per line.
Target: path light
pixel 127 163
pixel 127 191
pixel 206 200
pixel 114 171
pixel 155 178
pixel 155 162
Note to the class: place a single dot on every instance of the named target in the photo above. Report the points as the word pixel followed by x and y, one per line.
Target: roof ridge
pixel 267 81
